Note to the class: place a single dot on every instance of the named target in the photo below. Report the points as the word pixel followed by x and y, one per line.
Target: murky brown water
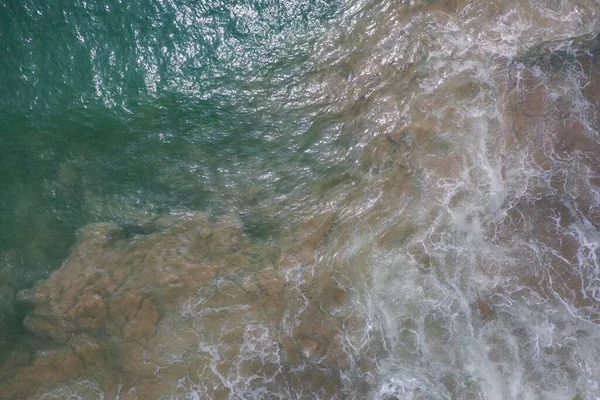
pixel 457 258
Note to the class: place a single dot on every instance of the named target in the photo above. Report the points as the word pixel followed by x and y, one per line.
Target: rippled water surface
pixel 300 199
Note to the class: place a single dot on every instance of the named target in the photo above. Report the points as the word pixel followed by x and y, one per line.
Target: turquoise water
pixel 112 111
pixel 120 111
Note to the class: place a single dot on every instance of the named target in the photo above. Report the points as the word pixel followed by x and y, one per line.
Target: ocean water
pixel 118 111
pixel 297 199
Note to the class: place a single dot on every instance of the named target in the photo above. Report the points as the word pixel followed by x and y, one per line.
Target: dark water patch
pixel 560 55
pixel 258 227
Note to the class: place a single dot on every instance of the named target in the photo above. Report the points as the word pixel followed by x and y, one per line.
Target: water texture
pixel 300 199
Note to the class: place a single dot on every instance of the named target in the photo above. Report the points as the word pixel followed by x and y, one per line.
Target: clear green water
pixel 115 111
